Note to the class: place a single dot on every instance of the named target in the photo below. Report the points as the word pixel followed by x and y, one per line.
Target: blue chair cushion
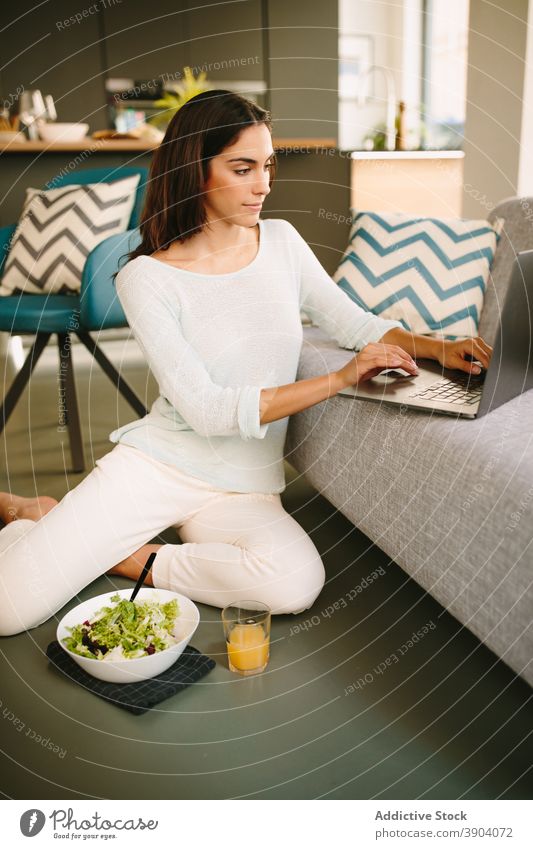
pixel 39 313
pixel 99 303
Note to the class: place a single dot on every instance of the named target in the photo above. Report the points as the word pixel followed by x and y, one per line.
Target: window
pixel 444 66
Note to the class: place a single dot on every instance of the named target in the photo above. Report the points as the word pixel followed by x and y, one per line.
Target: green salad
pixel 128 629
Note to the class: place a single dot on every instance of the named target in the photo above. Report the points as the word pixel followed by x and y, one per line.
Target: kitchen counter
pixel 304 164
pixel 123 145
pixel 407 154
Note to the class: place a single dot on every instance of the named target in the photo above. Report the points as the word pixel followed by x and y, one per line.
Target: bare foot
pixel 13 507
pixel 133 565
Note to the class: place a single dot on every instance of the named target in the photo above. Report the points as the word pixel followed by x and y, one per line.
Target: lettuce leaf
pixel 128 629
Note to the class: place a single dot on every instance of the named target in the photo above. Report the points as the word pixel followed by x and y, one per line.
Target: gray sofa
pixel 449 500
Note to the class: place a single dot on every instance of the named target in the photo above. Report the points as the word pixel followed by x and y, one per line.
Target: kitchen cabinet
pixel 418 182
pixel 302 67
pixel 70 51
pixel 45 47
pixel 227 39
pixel 144 41
pixel 150 42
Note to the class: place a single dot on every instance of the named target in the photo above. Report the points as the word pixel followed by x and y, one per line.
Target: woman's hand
pixel 455 354
pixel 372 359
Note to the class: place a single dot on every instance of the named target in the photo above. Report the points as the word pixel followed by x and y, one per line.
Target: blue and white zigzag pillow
pixel 429 273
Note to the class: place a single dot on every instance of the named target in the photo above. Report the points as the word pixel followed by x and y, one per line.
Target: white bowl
pixel 136 668
pixel 63 132
pixel 7 136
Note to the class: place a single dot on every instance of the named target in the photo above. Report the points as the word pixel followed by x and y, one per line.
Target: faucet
pixel 390 141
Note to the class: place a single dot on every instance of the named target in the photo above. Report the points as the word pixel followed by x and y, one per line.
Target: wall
pixel 525 171
pixel 495 99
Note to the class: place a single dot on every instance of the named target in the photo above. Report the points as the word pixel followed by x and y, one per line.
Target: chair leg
pixel 112 373
pixel 19 383
pixel 68 402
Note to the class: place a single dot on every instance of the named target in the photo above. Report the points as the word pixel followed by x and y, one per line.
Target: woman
pixel 213 295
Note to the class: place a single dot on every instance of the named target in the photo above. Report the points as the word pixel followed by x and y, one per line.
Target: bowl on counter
pixel 8 136
pixel 135 668
pixel 63 132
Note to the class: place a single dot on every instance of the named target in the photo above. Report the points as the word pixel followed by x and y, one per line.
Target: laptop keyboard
pixel 464 389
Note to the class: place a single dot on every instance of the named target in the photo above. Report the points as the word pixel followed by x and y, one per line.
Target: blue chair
pixel 95 308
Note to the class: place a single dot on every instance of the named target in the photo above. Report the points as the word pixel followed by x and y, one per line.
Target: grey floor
pixel 331 717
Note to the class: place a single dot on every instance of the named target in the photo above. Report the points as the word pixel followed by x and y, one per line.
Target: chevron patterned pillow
pixel 429 273
pixel 58 229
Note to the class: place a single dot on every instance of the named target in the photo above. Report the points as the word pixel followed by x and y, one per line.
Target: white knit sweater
pixel 213 341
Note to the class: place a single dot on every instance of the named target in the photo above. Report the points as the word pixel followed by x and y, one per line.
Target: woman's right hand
pixel 372 359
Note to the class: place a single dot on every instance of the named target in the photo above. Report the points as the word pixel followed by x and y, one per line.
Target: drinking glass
pixel 32 111
pixel 247 632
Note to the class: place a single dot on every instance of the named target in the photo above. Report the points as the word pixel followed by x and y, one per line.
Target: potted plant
pixel 176 94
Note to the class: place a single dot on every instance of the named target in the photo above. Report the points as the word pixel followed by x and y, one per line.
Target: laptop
pixel 454 392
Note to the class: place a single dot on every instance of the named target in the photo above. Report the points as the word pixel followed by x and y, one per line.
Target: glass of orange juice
pixel 247 632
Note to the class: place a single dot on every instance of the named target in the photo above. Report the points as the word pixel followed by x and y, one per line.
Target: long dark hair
pixel 174 206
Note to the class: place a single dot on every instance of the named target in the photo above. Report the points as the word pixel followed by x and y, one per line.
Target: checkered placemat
pixel 138 696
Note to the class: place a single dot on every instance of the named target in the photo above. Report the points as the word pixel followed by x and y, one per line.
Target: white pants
pixel 234 545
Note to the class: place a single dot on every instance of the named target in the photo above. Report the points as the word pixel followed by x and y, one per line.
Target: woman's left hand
pixel 455 354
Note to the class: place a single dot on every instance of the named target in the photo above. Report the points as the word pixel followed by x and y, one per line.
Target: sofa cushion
pixel 428 273
pixel 57 231
pixel 516 235
pixel 449 500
